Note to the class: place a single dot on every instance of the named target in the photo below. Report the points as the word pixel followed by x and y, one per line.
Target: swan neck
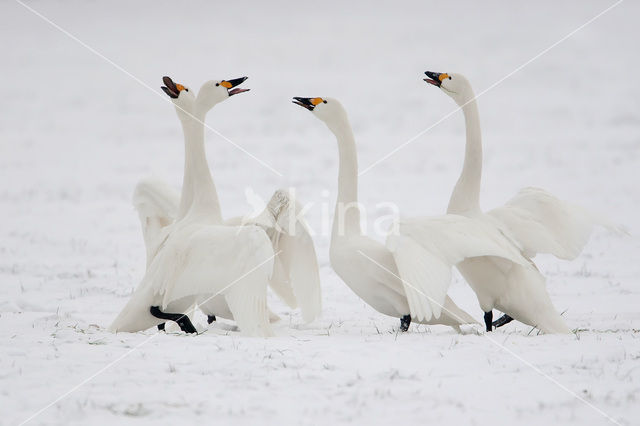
pixel 346 220
pixel 466 194
pixel 199 193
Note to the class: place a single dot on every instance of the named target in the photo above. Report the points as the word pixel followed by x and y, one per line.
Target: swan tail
pixel 135 315
pixel 529 302
pixel 552 323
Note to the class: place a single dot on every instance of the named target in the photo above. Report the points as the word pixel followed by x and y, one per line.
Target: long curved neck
pixel 466 194
pixel 346 220
pixel 198 190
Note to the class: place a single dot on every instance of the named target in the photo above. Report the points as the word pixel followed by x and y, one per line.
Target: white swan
pixel 368 267
pixel 296 278
pixel 196 258
pixel 534 220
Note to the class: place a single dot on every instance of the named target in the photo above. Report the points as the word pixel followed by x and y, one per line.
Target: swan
pixel 159 205
pixel 197 258
pixel 534 221
pixel 295 277
pixel 374 271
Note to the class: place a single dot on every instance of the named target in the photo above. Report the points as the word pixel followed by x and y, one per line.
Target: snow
pixel 78 133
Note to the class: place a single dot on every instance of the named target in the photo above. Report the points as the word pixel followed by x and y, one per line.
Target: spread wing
pixel 157 206
pixel 204 261
pixel 297 257
pixel 425 250
pixel 542 223
pixel 296 278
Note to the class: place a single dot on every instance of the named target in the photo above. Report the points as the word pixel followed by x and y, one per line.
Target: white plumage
pixel 294 271
pixel 157 207
pixel 198 262
pixel 542 223
pixel 374 271
pixel 197 258
pixel 427 248
pixel 534 221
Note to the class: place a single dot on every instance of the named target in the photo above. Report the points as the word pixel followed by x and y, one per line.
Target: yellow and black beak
pixel 172 89
pixel 436 78
pixel 308 103
pixel 230 84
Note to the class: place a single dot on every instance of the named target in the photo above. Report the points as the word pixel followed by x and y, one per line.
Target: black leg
pixel 488 318
pixel 505 319
pixel 161 327
pixel 210 319
pixel 182 319
pixel 405 322
pixel 185 324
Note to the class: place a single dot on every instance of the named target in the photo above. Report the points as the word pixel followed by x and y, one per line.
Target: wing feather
pixel 296 250
pixel 250 310
pixel 425 250
pixel 296 278
pixel 206 261
pixel 542 223
pixel 157 206
pixel 299 262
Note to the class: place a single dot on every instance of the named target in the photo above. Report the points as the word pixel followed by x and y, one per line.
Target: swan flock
pixel 197 260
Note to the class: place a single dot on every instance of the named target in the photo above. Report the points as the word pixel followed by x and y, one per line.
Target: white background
pixel 76 134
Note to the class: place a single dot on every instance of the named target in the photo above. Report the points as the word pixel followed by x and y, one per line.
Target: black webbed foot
pixel 405 322
pixel 210 319
pixel 181 319
pixel 488 318
pixel 161 327
pixel 505 319
pixel 186 325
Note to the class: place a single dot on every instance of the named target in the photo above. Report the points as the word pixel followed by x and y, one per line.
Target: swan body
pixel 368 267
pixel 295 278
pixel 534 221
pixel 199 262
pixel 370 270
pixel 198 258
pixel 426 249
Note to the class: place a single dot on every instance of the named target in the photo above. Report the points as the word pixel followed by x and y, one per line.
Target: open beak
pixel 304 102
pixel 172 89
pixel 308 103
pixel 231 85
pixel 435 78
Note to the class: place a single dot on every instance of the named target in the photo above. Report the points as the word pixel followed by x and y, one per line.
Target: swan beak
pixel 435 78
pixel 230 84
pixel 308 103
pixel 172 89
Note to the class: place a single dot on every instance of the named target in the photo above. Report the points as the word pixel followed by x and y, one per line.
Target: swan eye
pixel 449 78
pixel 324 101
pixel 217 84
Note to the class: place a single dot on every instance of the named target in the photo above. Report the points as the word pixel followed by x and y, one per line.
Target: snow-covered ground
pixel 78 131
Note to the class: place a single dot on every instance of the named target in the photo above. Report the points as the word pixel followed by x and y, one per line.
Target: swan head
pixel 215 91
pixel 454 85
pixel 181 96
pixel 328 110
